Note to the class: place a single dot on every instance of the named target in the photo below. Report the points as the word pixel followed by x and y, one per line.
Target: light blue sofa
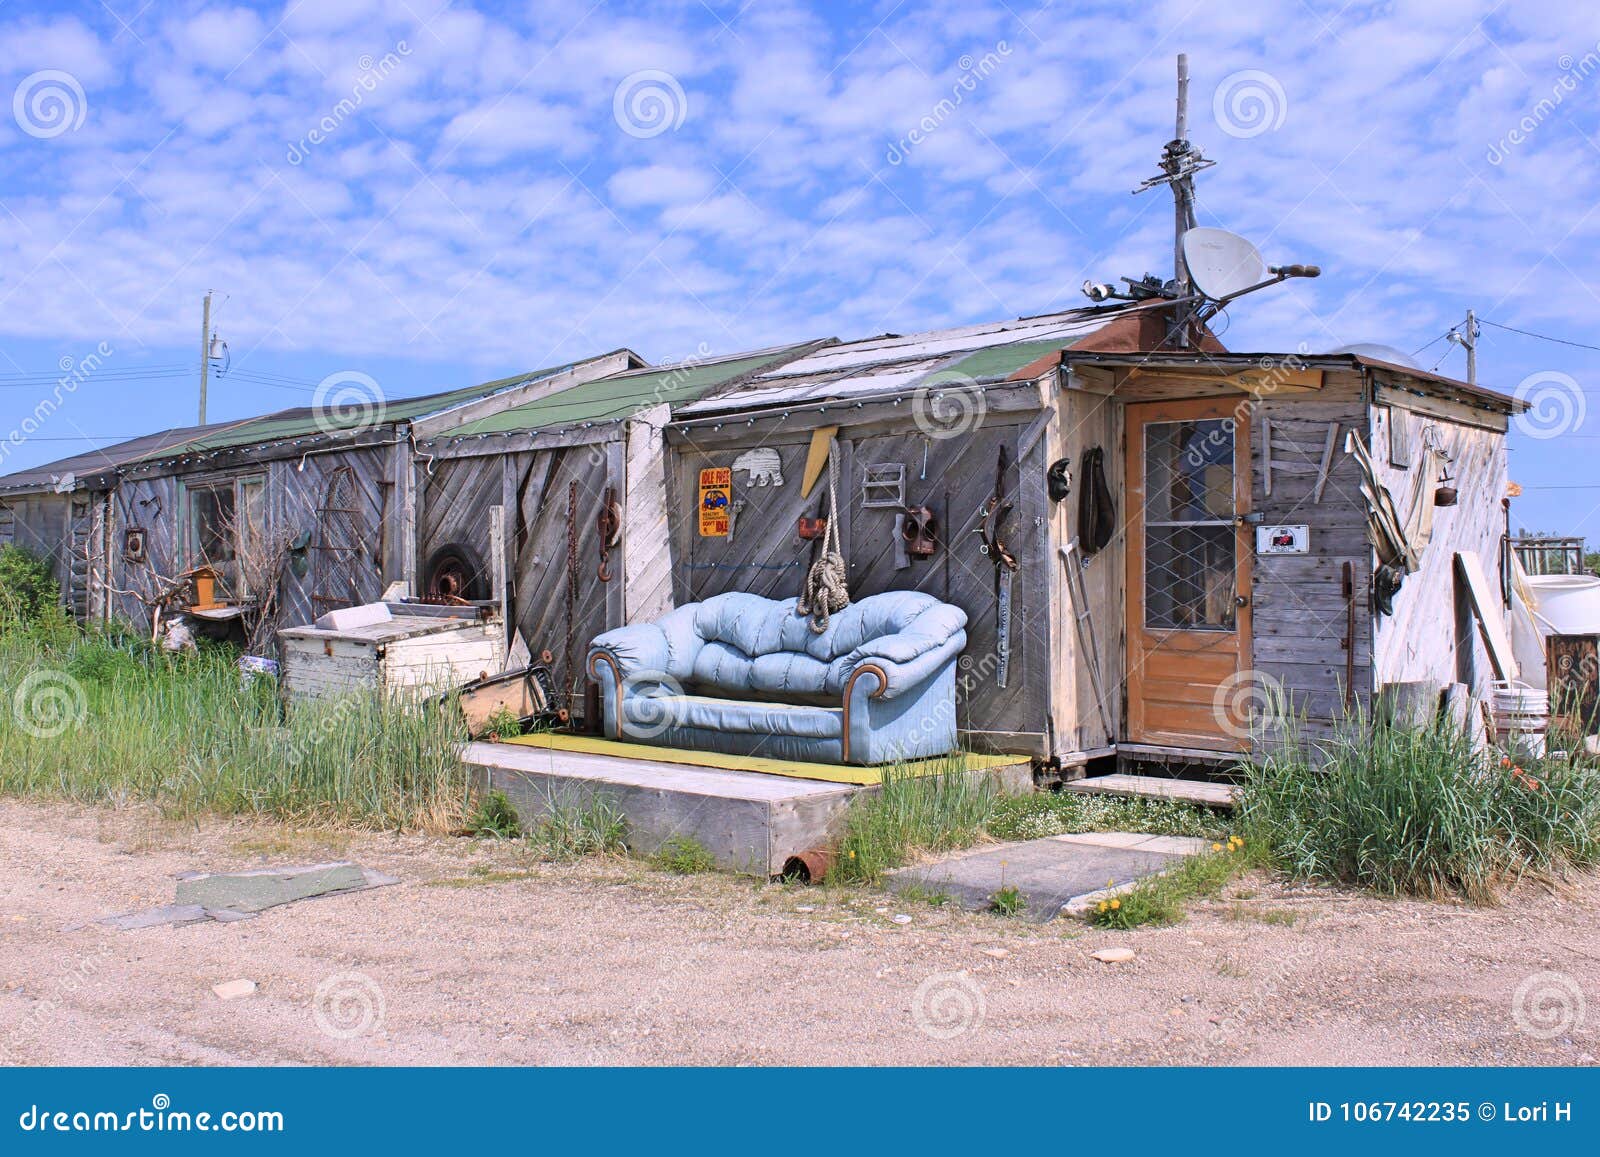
pixel 746 675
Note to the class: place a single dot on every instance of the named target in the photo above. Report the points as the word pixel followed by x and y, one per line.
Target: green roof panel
pixel 616 397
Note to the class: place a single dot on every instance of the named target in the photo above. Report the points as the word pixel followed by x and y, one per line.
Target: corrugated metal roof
pixel 622 395
pixel 885 364
pixel 298 422
pixel 106 458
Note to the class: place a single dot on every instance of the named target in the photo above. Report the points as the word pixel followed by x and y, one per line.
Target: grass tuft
pixel 1419 811
pixel 685 856
pixel 103 717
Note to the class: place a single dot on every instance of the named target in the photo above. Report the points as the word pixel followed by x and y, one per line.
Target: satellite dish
pixel 1222 264
pixel 1379 353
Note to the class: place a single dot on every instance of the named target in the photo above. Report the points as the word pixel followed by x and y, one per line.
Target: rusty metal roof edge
pixel 1268 360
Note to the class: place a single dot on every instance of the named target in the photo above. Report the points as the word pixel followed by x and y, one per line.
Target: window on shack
pixel 226 522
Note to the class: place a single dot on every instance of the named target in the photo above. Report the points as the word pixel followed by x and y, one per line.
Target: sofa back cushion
pixel 753 646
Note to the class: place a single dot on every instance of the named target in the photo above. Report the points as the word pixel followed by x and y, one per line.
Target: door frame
pixel 1138 415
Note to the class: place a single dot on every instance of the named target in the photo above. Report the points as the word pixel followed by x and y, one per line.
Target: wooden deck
pixel 1195 791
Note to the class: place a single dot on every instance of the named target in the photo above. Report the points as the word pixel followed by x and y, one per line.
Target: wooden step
pixel 1195 791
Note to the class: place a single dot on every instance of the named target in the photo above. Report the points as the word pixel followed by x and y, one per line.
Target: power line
pixel 1541 336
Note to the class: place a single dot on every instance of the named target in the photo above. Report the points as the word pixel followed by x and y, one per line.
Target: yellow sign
pixel 716 492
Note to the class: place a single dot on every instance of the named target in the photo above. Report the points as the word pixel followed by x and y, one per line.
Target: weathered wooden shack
pixel 1207 564
pixel 296 512
pixel 557 465
pixel 1160 552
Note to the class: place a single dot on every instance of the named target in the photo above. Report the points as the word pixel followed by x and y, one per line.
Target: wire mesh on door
pixel 1190 579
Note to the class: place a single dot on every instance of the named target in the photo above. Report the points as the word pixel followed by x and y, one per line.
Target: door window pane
pixel 1189 532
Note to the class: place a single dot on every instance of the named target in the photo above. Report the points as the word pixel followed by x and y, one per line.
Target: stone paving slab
pixel 1051 872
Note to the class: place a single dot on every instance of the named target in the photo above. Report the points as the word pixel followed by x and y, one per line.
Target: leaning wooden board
pixel 1491 623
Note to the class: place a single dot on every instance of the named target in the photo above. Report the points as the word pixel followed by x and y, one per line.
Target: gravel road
pixel 483 955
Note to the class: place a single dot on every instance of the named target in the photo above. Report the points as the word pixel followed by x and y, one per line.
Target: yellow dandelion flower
pixel 1116 904
pixel 1216 847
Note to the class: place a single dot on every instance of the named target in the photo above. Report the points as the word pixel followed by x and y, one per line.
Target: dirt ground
pixel 483 955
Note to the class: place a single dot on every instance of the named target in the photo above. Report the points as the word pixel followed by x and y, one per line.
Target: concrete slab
pixel 750 822
pixel 1053 873
pixel 1195 791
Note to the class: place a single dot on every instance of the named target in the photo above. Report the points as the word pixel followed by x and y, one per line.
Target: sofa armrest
pixel 885 678
pixel 620 657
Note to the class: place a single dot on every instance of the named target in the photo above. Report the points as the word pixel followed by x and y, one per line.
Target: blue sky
pixel 439 193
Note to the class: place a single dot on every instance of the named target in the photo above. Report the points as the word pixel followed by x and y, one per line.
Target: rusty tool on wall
pixel 609 525
pixel 993 515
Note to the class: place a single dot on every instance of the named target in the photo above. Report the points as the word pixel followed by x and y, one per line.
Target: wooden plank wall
pixel 151 504
pixel 539 580
pixel 1427 639
pixel 766 556
pixel 1299 612
pixel 453 510
pixel 296 491
pixel 1085 419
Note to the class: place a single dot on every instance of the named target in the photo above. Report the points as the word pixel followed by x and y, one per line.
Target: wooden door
pixel 1189 553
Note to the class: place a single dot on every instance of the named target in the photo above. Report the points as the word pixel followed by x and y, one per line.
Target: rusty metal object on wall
pixel 609 525
pixel 920 531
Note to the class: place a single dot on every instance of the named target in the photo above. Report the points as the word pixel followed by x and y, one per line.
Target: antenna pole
pixel 205 352
pixel 1182 183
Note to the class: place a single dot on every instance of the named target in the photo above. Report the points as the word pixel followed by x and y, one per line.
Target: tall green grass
pixel 911 814
pixel 101 718
pixel 1418 811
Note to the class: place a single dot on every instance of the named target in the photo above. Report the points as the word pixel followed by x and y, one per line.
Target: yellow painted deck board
pixel 831 772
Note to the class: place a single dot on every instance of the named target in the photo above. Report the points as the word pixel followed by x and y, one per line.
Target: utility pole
pixel 1467 339
pixel 205 352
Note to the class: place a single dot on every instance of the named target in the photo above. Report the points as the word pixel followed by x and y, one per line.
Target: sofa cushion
pixel 754 645
pixel 703 711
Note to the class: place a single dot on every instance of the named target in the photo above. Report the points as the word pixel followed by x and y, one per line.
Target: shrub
pixel 28 595
pixel 1419 811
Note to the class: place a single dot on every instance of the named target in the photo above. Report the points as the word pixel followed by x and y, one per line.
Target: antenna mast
pixel 1180 161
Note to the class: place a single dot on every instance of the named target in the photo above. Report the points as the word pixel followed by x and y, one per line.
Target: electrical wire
pixel 1540 336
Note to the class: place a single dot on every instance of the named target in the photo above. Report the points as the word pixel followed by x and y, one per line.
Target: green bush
pixel 28 595
pixel 495 817
pixel 1418 811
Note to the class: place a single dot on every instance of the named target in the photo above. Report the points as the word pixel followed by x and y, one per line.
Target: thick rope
pixel 825 589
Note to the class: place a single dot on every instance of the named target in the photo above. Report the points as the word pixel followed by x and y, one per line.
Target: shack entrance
pixel 1188 581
